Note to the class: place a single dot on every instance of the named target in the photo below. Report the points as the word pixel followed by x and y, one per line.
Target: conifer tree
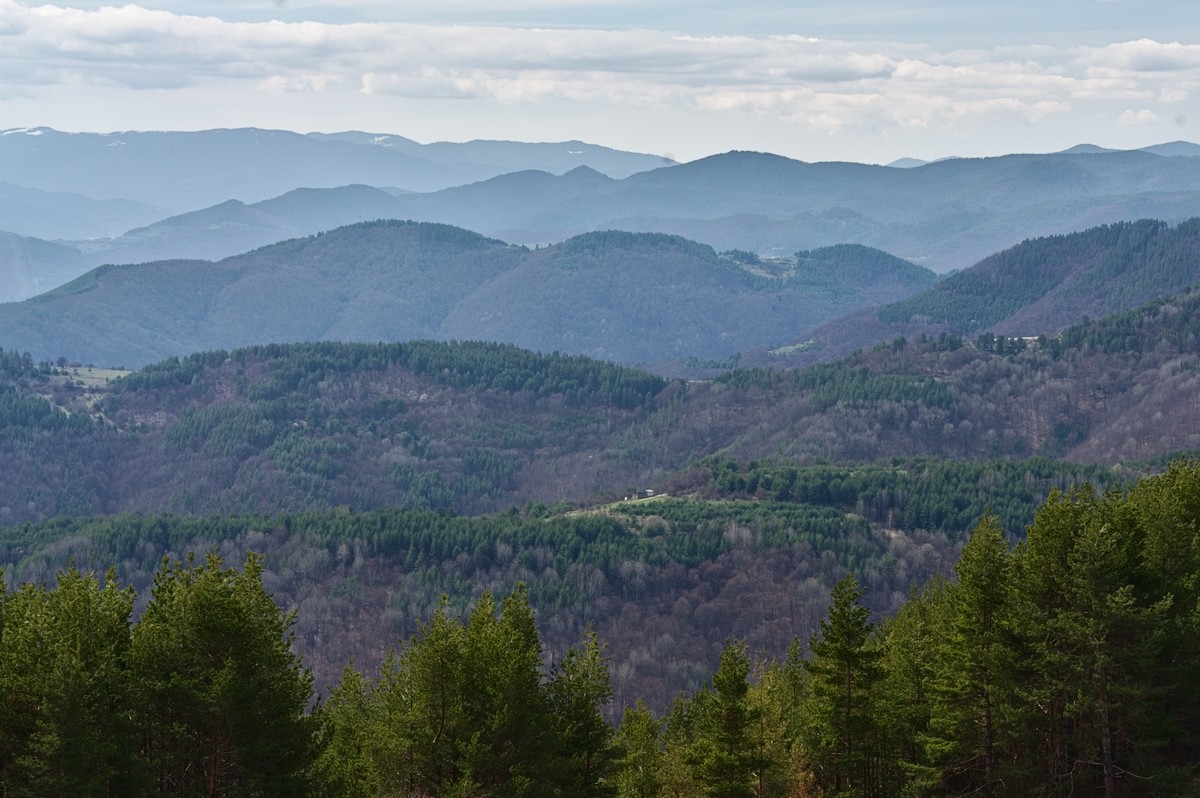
pixel 909 637
pixel 585 755
pixel 222 699
pixel 637 739
pixel 726 757
pixel 773 702
pixel 1094 635
pixel 841 733
pixel 343 766
pixel 973 660
pixel 64 689
pixel 506 708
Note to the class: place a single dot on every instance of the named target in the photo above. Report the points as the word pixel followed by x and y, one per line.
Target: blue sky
pixel 857 80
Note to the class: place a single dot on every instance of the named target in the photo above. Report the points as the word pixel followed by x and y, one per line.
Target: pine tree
pixel 726 758
pixel 222 699
pixel 343 766
pixel 683 726
pixel 773 702
pixel 506 708
pixel 1095 638
pixel 908 639
pixel 422 732
pixel 585 757
pixel 973 661
pixel 842 738
pixel 638 741
pixel 64 713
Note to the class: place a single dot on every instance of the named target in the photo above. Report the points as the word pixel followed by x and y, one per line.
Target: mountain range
pixel 370 449
pixel 635 298
pixel 944 215
pixel 185 171
pixel 476 426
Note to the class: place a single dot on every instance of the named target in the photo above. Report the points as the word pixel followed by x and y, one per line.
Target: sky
pixel 817 80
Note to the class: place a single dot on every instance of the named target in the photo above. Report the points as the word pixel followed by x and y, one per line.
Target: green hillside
pixel 1048 283
pixel 1040 286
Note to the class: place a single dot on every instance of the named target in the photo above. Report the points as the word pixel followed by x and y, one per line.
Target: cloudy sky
pixel 861 80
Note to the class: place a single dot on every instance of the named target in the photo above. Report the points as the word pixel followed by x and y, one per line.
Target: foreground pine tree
pixel 220 698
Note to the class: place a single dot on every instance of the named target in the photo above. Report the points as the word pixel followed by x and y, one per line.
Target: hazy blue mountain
pixel 234 227
pixel 512 156
pixel 188 170
pixel 631 297
pixel 30 266
pixel 944 215
pixel 1085 149
pixel 63 215
pixel 1171 148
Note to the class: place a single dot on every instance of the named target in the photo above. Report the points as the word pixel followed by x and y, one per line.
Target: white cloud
pixel 822 85
pixel 1142 117
pixel 1145 55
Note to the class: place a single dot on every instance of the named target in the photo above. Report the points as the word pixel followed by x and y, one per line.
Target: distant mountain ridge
pixel 627 297
pixel 35 213
pixel 944 215
pixel 184 171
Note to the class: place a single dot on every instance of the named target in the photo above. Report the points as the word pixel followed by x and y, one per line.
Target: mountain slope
pixel 30 266
pixel 61 215
pixel 944 215
pixel 1039 286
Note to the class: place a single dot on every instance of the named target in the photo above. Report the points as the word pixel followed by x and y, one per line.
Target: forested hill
pixel 628 297
pixel 1045 284
pixel 1115 390
pixel 341 462
pixel 467 426
pixel 473 427
pixel 1037 287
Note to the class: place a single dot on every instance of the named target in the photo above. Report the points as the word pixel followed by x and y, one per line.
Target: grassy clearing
pixel 92 377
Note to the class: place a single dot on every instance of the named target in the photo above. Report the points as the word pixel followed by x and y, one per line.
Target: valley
pixel 686 452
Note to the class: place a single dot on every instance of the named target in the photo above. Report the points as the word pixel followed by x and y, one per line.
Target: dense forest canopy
pixel 475 427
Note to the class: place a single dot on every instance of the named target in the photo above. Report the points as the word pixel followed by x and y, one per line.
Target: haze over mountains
pixel 1035 288
pixel 232 191
pixel 184 171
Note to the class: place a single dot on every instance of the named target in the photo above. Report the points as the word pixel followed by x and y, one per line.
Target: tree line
pixel 477 365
